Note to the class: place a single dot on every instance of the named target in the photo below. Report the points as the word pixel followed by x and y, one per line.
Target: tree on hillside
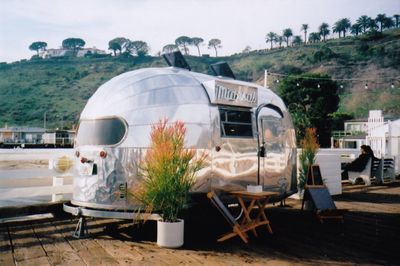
pixel 342 25
pixel 123 42
pixel 271 37
pixel 380 18
pixel 297 40
pixel 214 43
pixel 114 46
pixel 287 33
pixel 280 39
pixel 139 48
pixel 356 29
pixel 397 20
pixel 197 41
pixel 373 25
pixel 304 27
pixel 324 30
pixel 364 21
pixel 184 42
pixel 169 48
pixel 246 49
pixel 73 44
pixel 117 44
pixel 314 37
pixel 388 23
pixel 37 46
pixel 311 99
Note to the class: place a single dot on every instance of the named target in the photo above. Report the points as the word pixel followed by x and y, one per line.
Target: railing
pixel 25 178
pixel 51 141
pixel 342 133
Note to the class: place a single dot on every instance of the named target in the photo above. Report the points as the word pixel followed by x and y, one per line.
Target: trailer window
pixel 236 123
pixel 107 131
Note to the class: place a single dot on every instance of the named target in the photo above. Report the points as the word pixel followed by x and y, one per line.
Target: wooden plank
pixel 149 252
pixel 125 254
pixel 34 262
pixel 56 247
pixel 27 247
pixel 145 252
pixel 6 256
pixel 87 249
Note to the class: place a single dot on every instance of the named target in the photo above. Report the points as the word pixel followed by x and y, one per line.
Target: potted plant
pixel 168 173
pixel 309 148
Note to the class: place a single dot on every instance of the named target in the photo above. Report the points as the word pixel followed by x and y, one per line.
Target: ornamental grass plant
pixel 168 171
pixel 309 148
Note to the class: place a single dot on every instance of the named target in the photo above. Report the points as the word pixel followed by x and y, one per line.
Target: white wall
pixel 329 161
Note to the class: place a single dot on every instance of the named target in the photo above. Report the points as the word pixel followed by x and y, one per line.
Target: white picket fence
pixel 33 184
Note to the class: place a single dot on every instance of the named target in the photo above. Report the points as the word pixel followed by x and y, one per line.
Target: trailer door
pixel 272 154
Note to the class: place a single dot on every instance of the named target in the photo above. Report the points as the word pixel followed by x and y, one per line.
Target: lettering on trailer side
pixel 234 94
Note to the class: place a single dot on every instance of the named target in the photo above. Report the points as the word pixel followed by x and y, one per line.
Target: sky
pixel 237 23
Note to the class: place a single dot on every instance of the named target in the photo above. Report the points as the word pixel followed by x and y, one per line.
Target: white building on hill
pixel 50 53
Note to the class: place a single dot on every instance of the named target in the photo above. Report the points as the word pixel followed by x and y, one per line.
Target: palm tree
pixel 364 21
pixel 271 37
pixel 337 28
pixel 297 40
pixel 304 27
pixel 342 26
pixel 346 25
pixel 280 40
pixel 372 25
pixel 355 29
pixel 388 23
pixel 324 30
pixel 397 19
pixel 314 37
pixel 380 18
pixel 287 33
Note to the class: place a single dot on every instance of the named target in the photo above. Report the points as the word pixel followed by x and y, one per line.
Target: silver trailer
pixel 245 129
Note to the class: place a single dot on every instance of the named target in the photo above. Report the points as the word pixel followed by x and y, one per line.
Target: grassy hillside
pixel 61 87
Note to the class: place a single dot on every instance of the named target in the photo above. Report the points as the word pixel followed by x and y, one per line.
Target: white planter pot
pixel 170 235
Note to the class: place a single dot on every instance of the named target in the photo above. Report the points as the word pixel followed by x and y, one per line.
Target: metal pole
pixel 265 78
pixel 44 120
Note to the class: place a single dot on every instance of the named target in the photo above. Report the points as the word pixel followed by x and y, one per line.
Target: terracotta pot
pixel 170 235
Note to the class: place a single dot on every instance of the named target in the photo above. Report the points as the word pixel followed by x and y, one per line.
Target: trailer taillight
pixel 103 154
pixel 84 160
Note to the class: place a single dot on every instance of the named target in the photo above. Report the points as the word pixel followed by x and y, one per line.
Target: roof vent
pixel 222 69
pixel 176 59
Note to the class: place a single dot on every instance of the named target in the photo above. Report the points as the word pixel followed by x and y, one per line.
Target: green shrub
pixel 309 148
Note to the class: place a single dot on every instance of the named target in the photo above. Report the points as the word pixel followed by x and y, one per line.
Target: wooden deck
pixel 369 235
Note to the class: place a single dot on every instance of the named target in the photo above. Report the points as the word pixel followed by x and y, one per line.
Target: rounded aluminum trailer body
pixel 138 99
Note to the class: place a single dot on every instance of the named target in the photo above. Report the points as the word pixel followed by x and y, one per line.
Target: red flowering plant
pixel 168 171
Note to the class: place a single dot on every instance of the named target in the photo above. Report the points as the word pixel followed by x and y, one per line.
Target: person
pixel 371 152
pixel 359 163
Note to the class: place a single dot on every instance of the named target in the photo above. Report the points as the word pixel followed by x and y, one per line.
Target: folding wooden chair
pixel 237 230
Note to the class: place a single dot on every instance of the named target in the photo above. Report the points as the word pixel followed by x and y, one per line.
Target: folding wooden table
pixel 259 199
